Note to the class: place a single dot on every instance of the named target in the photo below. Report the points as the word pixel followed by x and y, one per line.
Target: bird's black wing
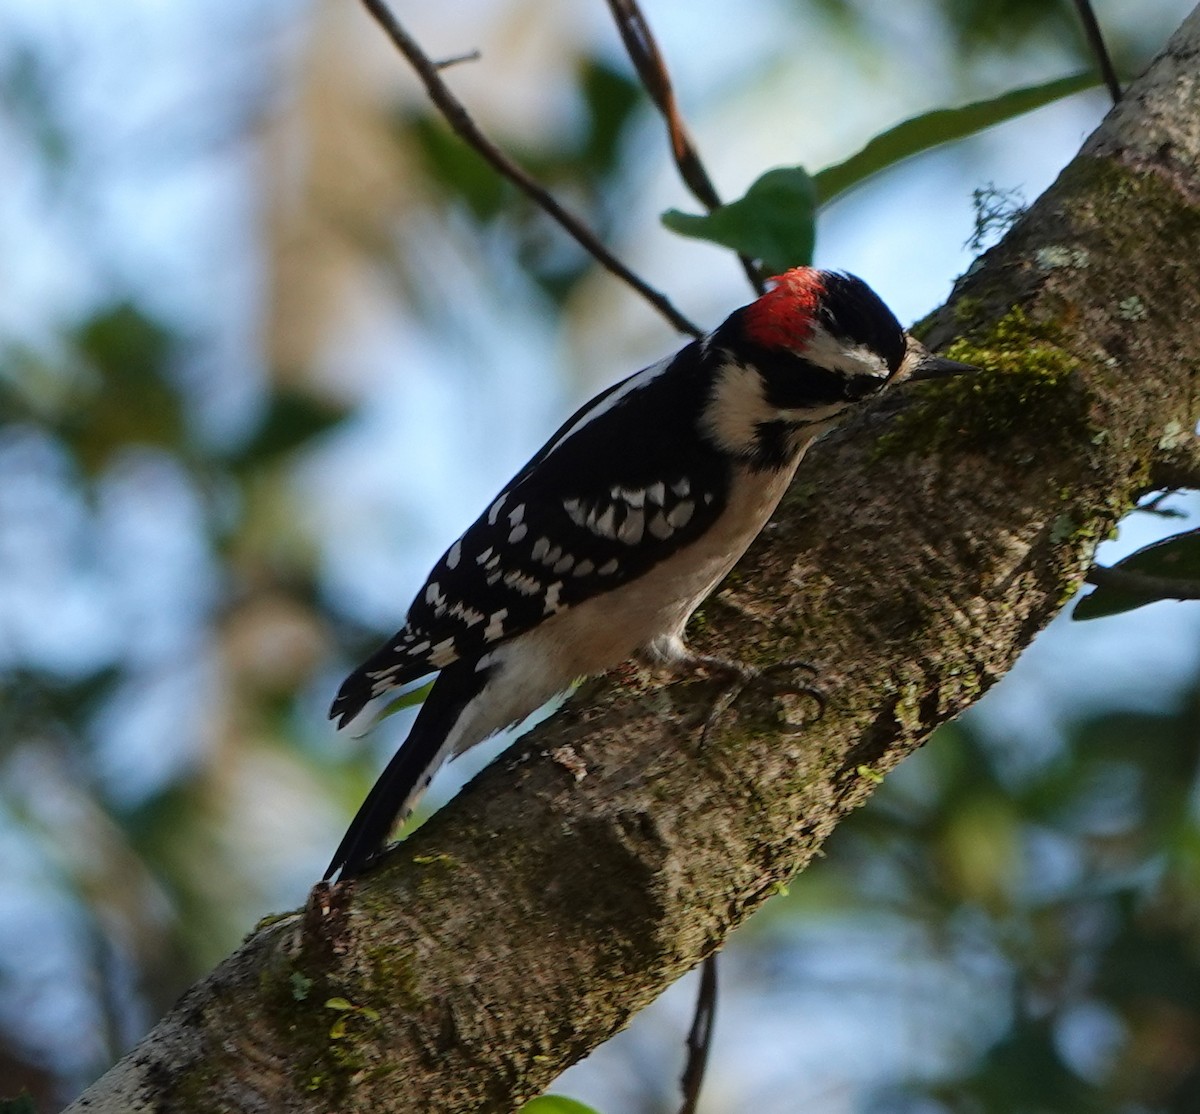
pixel 623 485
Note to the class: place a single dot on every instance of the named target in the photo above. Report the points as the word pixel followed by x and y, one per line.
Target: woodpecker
pixel 603 545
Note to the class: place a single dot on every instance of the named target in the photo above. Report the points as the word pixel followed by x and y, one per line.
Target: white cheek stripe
pixel 737 408
pixel 825 350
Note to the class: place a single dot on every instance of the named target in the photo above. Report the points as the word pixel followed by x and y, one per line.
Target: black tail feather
pixel 409 772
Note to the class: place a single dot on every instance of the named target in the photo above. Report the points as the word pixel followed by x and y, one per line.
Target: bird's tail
pixel 411 769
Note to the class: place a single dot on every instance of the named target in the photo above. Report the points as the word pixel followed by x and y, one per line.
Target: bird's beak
pixel 930 366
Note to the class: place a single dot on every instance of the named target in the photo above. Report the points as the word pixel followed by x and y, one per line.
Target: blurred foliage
pixel 585 165
pixel 975 28
pixel 108 401
pixel 22 1104
pixel 171 639
pixel 555 1104
pixel 1076 872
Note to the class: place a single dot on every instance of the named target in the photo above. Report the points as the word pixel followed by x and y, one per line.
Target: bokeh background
pixel 270 337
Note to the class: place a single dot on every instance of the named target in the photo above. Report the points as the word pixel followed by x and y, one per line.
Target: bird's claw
pixel 742 678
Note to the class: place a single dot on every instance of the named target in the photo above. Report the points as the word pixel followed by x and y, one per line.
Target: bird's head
pixel 805 355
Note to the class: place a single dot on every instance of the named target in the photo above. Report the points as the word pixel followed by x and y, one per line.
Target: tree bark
pixel 607 853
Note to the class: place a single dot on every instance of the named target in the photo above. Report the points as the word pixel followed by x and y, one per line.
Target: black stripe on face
pixel 791 383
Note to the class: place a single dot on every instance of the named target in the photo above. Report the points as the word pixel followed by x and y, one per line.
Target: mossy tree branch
pixel 533 916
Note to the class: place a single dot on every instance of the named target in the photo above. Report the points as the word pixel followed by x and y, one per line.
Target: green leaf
pixel 454 166
pixel 23 1104
pixel 301 985
pixel 1177 557
pixel 773 222
pixel 611 100
pixel 291 420
pixel 338 1004
pixel 1106 601
pixel 1174 558
pixel 132 399
pixel 408 700
pixel 943 125
pixel 555 1104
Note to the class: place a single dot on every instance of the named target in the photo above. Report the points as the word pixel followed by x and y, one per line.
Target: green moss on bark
pixel 1024 379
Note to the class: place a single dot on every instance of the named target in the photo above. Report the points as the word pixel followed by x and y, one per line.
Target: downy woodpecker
pixel 612 535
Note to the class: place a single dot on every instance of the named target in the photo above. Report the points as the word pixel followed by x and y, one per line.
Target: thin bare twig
pixel 700 1038
pixel 1095 40
pixel 462 123
pixel 652 69
pixel 456 59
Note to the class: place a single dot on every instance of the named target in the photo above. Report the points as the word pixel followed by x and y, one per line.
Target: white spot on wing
pixel 682 487
pixel 552 593
pixel 608 568
pixel 681 514
pixel 443 653
pixel 604 524
pixel 455 554
pixel 657 493
pixel 517 533
pixel 585 568
pixel 631 529
pixel 634 498
pixel 516 515
pixel 526 585
pixel 483 558
pixel 433 593
pixel 540 548
pixel 575 511
pixel 563 565
pixel 660 527
pixel 495 627
pixel 466 613
pixel 494 510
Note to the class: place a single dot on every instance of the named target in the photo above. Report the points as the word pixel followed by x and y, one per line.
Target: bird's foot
pixel 739 678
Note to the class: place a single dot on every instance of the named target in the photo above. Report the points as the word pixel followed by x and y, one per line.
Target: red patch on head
pixel 783 316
